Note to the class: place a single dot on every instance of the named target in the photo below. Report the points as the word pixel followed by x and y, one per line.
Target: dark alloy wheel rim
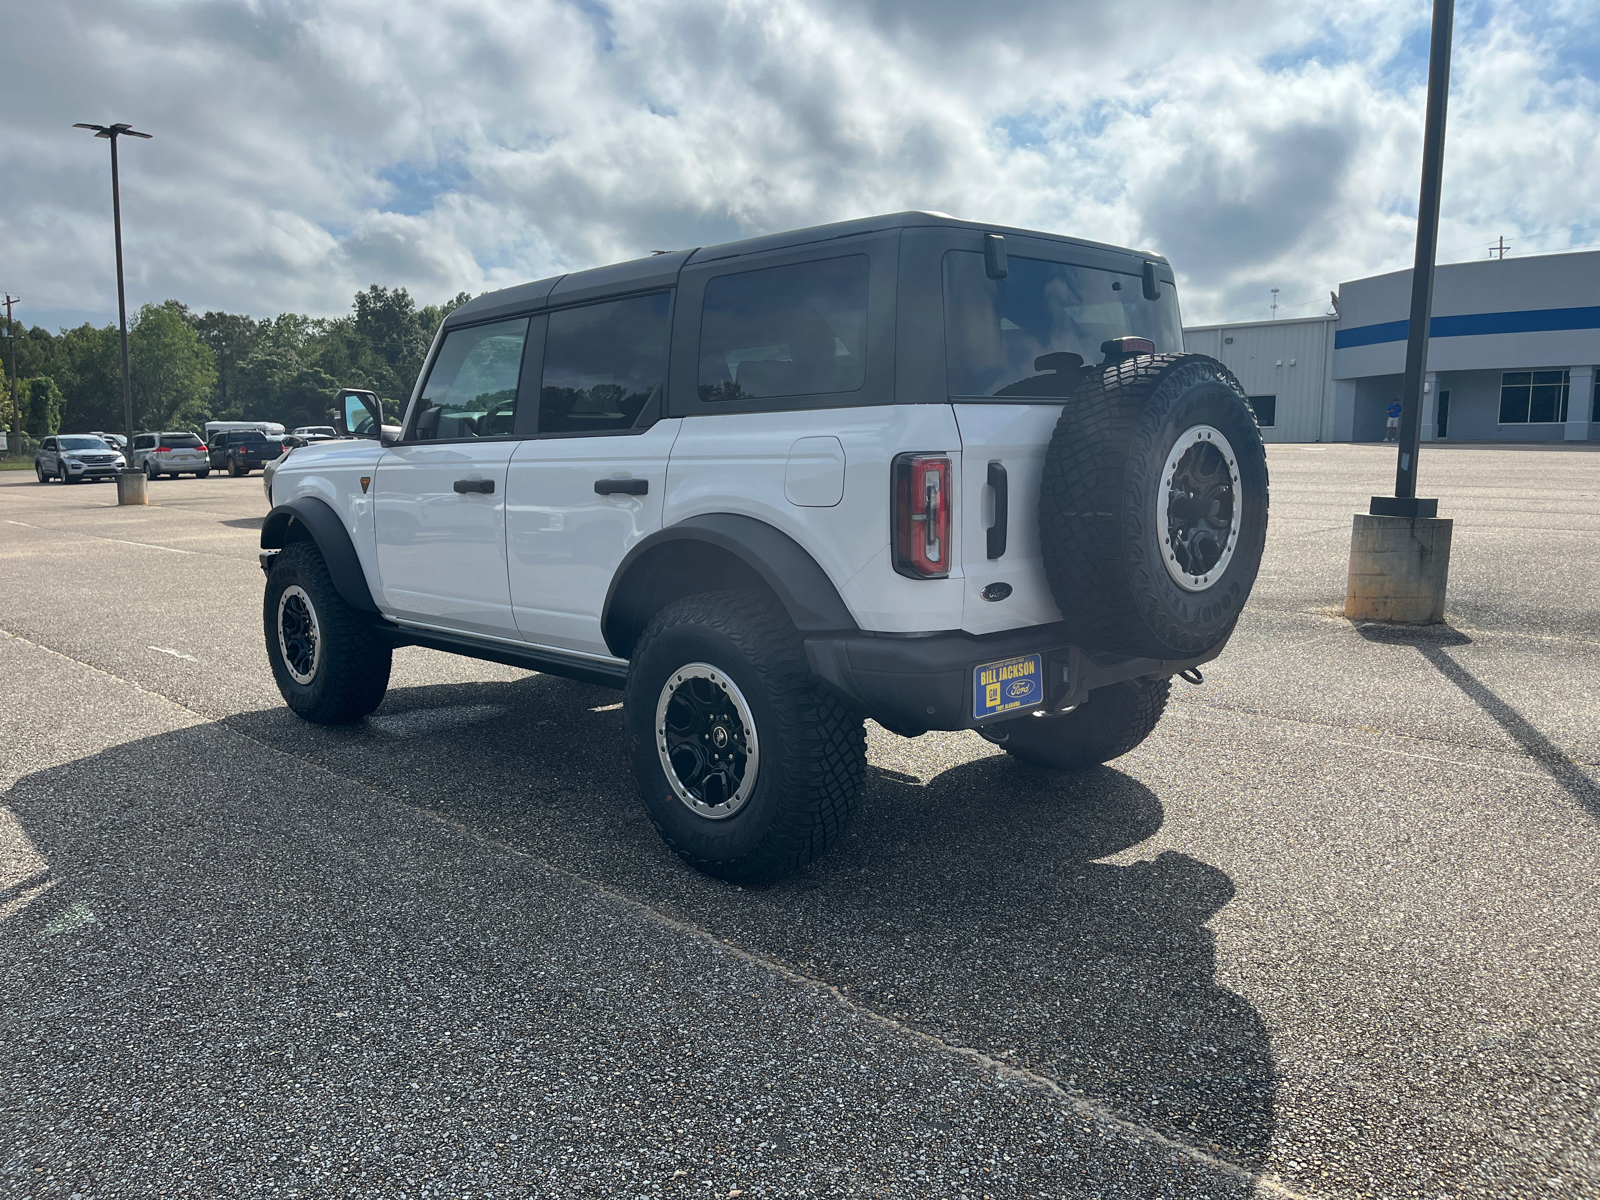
pixel 707 742
pixel 1199 508
pixel 299 636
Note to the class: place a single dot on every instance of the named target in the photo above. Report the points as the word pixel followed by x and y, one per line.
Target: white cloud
pixel 304 151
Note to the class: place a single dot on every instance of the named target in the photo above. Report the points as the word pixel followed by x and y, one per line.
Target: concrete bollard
pixel 1399 567
pixel 133 488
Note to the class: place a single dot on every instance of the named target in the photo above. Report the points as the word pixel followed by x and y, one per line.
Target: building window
pixel 1595 416
pixel 1534 397
pixel 1266 409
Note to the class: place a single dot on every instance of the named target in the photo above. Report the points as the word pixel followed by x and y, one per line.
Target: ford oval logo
pixel 996 591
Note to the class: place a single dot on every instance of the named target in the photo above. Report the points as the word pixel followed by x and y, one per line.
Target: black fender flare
pixel 322 526
pixel 780 562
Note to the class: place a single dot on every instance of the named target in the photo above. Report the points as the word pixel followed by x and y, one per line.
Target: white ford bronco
pixel 912 468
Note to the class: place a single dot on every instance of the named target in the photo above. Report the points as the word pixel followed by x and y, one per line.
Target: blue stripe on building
pixel 1535 320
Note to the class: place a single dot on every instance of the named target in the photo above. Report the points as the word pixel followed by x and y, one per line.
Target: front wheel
pixel 63 476
pixel 748 767
pixel 201 474
pixel 330 664
pixel 1112 721
pixel 38 469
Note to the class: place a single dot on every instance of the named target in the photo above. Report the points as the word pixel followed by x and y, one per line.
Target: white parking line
pixel 174 653
pixel 24 524
pixel 148 546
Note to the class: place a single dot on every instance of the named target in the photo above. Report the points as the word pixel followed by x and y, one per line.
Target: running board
pixel 530 658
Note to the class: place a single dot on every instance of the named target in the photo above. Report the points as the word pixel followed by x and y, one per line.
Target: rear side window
pixel 144 441
pixel 602 363
pixel 472 388
pixel 1029 333
pixel 798 330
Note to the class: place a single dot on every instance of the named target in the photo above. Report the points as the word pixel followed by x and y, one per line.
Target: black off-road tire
pixel 1111 722
pixel 812 748
pixel 1100 523
pixel 352 673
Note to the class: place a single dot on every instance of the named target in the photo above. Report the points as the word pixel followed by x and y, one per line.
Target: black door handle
pixel 485 486
pixel 624 487
pixel 1002 505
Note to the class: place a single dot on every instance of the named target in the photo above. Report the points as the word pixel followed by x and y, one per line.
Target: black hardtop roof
pixel 661 270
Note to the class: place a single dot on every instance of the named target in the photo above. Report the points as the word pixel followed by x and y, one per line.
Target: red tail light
pixel 922 515
pixel 163 449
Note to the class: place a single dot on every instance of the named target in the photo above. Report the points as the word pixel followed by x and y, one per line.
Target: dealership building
pixel 1512 354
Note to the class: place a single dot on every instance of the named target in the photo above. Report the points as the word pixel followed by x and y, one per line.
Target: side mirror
pixel 358 413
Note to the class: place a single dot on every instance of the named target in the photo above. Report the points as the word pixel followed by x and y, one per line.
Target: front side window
pixel 602 363
pixel 1030 333
pixel 1534 397
pixel 798 330
pixel 472 389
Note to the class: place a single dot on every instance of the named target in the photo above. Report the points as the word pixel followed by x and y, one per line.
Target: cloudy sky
pixel 304 150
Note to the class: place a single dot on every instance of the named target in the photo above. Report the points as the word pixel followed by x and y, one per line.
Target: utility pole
pixel 112 133
pixel 1500 250
pixel 1400 547
pixel 16 399
pixel 1274 304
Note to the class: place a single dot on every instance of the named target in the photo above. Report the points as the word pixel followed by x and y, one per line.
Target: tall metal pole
pixel 1411 396
pixel 122 302
pixel 16 398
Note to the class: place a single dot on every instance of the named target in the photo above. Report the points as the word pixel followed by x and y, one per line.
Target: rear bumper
pixel 911 684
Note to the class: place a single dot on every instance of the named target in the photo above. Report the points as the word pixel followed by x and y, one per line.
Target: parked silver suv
pixel 74 457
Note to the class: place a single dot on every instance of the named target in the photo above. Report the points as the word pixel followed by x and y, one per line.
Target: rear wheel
pixel 330 664
pixel 748 767
pixel 201 474
pixel 233 468
pixel 1111 722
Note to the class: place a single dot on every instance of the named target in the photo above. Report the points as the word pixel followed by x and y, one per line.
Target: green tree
pixel 232 337
pixel 89 369
pixel 173 372
pixel 42 404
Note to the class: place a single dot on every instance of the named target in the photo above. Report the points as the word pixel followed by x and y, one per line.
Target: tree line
pixel 187 368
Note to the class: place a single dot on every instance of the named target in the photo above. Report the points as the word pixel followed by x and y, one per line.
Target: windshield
pixel 83 443
pixel 1029 333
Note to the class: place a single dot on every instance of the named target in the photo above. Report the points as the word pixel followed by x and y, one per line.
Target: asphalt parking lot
pixel 1331 931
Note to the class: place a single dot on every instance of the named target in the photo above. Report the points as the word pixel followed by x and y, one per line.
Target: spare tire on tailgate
pixel 1153 508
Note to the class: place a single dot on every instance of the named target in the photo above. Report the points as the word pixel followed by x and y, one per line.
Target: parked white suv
pixel 911 468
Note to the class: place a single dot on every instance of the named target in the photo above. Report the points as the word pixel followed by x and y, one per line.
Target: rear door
pixel 1020 331
pixel 439 497
pixel 589 485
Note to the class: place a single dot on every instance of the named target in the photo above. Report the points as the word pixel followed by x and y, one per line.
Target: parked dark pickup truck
pixel 240 451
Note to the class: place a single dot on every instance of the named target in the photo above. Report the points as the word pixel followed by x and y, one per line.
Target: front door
pixel 589 485
pixel 439 497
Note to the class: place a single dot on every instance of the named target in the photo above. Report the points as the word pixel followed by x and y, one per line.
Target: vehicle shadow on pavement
pixel 970 906
pixel 1432 641
pixel 265 954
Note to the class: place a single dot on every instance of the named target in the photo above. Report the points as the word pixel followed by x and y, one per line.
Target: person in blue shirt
pixel 1391 430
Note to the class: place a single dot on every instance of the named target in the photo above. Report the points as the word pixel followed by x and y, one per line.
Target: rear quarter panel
pixel 737 463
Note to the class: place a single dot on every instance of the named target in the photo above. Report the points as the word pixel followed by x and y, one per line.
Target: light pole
pixel 111 133
pixel 1400 548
